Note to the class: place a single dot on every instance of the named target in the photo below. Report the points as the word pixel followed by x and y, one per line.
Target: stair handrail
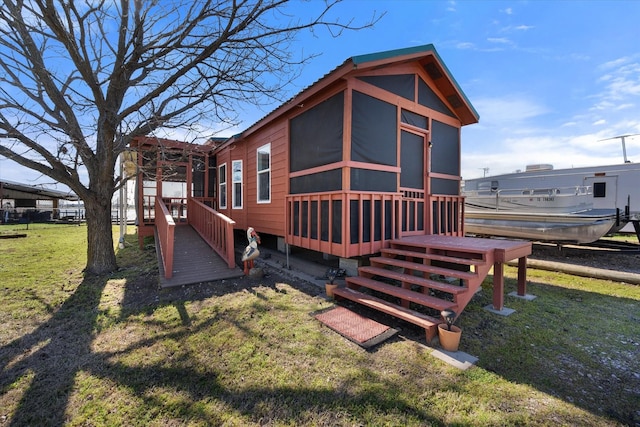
pixel 214 227
pixel 165 227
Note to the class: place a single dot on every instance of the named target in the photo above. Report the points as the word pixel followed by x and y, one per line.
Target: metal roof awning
pixel 14 190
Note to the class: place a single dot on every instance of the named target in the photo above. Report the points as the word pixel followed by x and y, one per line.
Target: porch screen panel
pixel 336 224
pixel 428 98
pixel 388 225
pixel 212 177
pixel 370 180
pixel 445 226
pixel 448 187
pixel 197 177
pixel 354 221
pixel 316 135
pixel 414 119
pixel 435 221
pixel 314 219
pixel 412 215
pixel 403 85
pixel 445 151
pixel 324 220
pixel 380 227
pixel 296 218
pixel 305 219
pixel 404 215
pixel 316 182
pixel 412 160
pixel 373 130
pixel 377 226
pixel 366 220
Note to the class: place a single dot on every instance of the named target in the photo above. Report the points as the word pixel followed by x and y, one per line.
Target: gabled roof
pixel 426 55
pixel 436 69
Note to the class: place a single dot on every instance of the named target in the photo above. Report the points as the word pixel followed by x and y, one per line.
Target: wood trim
pixel 317 169
pixel 345 164
pixel 383 95
pixel 373 166
pixel 444 176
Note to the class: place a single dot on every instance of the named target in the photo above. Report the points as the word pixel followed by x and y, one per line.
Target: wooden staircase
pixel 414 281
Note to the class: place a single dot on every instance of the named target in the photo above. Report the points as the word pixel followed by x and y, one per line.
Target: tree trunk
pixel 101 257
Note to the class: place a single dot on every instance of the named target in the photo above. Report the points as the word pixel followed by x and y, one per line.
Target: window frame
pixel 235 204
pixel 222 186
pixel 266 148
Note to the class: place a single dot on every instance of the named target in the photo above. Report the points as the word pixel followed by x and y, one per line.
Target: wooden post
pixel 522 276
pixel 498 286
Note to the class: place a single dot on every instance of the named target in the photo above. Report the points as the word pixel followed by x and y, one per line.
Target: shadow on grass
pixel 49 357
pixel 565 343
pixel 577 345
pixel 43 366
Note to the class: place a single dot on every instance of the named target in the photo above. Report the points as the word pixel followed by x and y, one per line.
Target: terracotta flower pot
pixel 449 339
pixel 329 287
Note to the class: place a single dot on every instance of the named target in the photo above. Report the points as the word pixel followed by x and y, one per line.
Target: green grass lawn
pixel 116 350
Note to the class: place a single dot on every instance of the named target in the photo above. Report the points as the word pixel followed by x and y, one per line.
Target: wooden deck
pixel 502 252
pixel 194 261
pixel 414 274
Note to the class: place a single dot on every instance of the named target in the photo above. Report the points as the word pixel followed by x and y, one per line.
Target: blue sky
pixel 549 79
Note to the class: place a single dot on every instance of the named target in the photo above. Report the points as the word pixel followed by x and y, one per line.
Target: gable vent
pixel 455 101
pixel 433 71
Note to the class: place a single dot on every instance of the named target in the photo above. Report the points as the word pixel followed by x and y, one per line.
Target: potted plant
pixel 448 333
pixel 331 274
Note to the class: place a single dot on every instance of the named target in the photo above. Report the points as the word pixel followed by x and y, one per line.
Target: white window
pixel 222 180
pixel 263 156
pixel 236 181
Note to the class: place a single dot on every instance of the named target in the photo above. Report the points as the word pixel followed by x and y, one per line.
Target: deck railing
pixel 165 227
pixel 176 206
pixel 343 224
pixel 447 215
pixel 215 228
pixel 348 224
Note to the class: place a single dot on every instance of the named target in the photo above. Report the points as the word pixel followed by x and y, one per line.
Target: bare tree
pixel 80 79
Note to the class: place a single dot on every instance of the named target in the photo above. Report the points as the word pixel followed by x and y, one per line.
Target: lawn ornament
pixel 251 252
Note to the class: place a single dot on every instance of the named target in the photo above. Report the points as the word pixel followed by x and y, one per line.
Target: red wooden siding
pixel 266 217
pixel 361 229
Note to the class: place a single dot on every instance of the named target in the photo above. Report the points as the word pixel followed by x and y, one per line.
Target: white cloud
pixel 465 45
pixel 614 63
pixel 500 40
pixel 557 150
pixel 514 108
pixel 513 28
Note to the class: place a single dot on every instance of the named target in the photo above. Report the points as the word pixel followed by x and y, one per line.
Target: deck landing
pixel 194 261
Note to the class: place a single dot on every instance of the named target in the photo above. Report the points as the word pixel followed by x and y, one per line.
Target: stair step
pixel 466 275
pixel 481 252
pixel 435 257
pixel 430 324
pixel 416 280
pixel 403 294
